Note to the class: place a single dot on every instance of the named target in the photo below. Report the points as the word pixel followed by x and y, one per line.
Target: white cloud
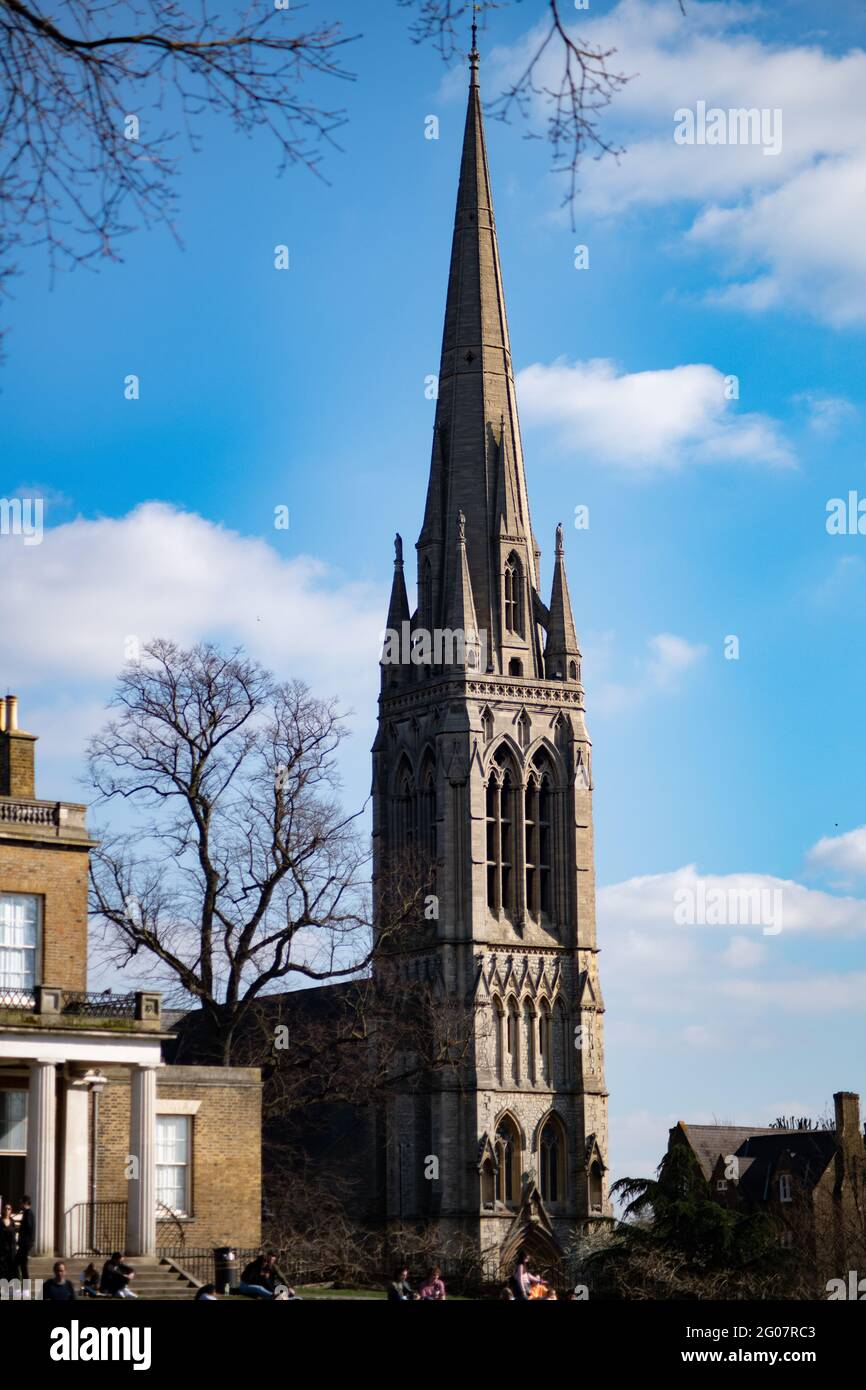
pixel 787 229
pixel 650 901
pixel 668 658
pixel 160 572
pixel 646 420
pixel 842 856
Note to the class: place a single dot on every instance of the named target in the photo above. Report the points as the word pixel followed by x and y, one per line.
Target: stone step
pixel 154 1280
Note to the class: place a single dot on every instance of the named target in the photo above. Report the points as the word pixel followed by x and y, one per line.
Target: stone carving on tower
pixel 483 763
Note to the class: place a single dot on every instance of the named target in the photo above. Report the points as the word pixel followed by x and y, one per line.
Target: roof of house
pixel 761 1152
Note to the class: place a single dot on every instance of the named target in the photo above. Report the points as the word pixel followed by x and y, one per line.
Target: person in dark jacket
pixel 26 1238
pixel 58 1289
pixel 260 1278
pixel 116 1276
pixel 8 1243
pixel 400 1290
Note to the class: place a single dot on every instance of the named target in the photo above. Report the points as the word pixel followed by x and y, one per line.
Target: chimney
pixel 847 1105
pixel 17 754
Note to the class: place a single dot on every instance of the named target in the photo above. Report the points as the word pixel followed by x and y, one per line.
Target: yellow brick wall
pixel 226 1141
pixel 57 874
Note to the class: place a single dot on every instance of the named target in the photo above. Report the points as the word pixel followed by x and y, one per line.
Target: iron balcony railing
pixel 75 1003
pixel 83 1004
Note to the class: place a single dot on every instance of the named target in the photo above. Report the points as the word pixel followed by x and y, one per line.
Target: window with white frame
pixel 13 1122
pixel 785 1194
pixel 20 922
pixel 173 1162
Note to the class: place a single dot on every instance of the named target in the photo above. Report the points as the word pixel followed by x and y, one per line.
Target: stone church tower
pixel 483 763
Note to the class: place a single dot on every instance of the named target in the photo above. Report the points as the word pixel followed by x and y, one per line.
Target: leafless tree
pixel 241 873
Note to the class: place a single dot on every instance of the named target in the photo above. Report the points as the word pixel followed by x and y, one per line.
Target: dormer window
pixel 20 923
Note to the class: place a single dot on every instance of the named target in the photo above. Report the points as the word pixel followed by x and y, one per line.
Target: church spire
pixel 460 616
pixel 562 653
pixel 477 432
pixel 397 627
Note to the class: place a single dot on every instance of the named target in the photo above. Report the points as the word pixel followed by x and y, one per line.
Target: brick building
pixel 113 1146
pixel 811 1181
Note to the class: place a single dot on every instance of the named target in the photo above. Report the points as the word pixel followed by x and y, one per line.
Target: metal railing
pixel 74 1003
pixel 17 999
pixel 96 1228
pixel 83 1004
pixel 200 1262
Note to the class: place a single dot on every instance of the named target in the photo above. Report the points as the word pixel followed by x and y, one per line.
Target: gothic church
pixel 482 759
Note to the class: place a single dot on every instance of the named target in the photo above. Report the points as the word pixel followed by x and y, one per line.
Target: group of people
pixel 521 1287
pixel 432 1290
pixel 112 1282
pixel 17 1236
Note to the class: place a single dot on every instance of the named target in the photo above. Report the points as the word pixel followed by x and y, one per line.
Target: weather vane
pixel 476 10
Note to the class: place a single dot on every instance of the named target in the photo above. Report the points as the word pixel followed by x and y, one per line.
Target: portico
pixel 51 1078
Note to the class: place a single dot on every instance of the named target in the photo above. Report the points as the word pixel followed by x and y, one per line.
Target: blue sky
pixel 305 388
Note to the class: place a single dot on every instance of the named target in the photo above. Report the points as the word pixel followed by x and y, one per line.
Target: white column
pixel 76 1166
pixel 141 1212
pixel 41 1141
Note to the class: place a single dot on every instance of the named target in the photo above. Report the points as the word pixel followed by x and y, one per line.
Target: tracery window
pixel 500 809
pixel 551 1161
pixel 508 1161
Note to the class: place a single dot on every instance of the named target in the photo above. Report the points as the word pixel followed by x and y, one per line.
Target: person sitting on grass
pixel 433 1289
pixel 400 1290
pixel 260 1279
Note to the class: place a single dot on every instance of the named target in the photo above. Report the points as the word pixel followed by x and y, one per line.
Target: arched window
pixel 524 729
pixel 515 667
pixel 545 1048
pixel 573 673
pixel 512 1042
pixel 499 1040
pixel 488 1184
pixel 551 1161
pixel 560 1045
pixel 537 830
pixel 513 593
pixel 427 809
pixel 425 604
pixel 596 1187
pixel 500 810
pixel 487 725
pixel 404 808
pixel 508 1161
pixel 531 1057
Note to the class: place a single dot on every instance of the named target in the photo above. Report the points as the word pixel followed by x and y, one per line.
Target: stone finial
pixel 461 528
pixel 398 551
pixel 560 540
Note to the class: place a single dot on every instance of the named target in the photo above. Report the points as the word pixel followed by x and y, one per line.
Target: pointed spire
pixel 461 618
pixel 562 653
pixel 397 626
pixel 476 412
